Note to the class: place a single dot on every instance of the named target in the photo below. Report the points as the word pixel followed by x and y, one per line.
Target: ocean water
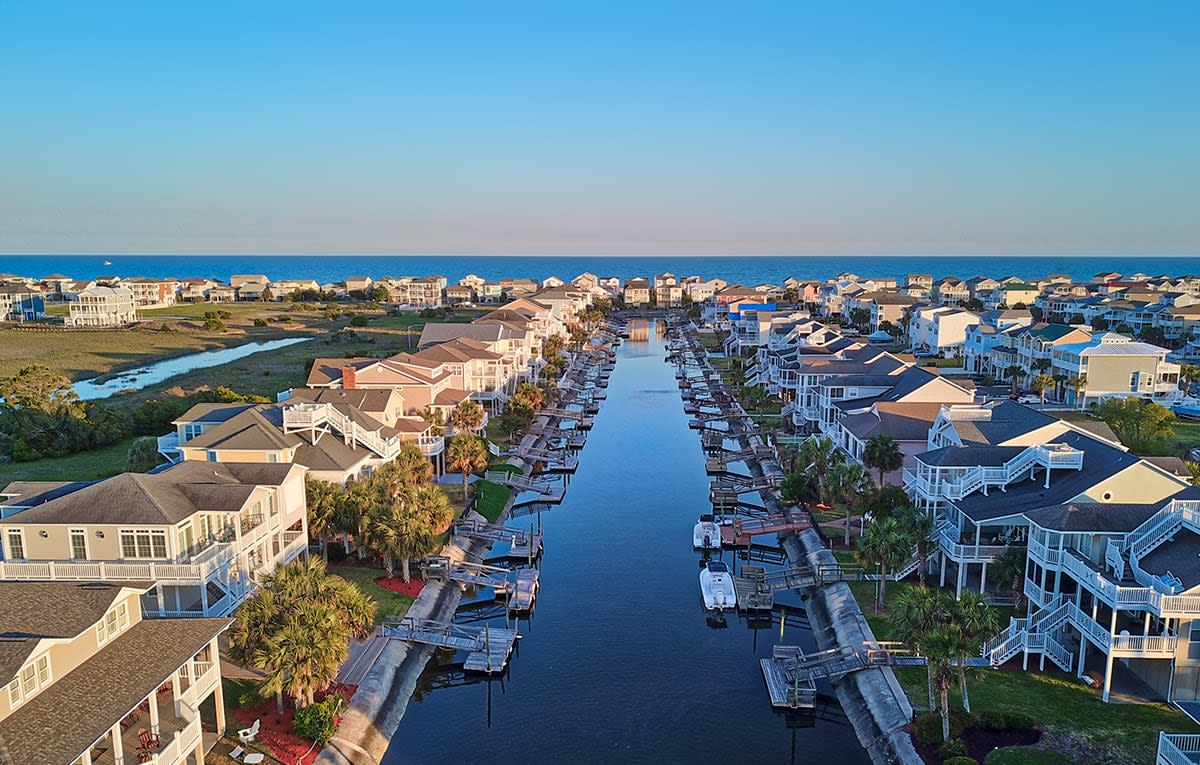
pixel 743 269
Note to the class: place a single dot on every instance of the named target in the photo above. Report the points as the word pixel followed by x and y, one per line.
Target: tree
pixel 845 484
pixel 1041 384
pixel 887 544
pixel 143 454
pixel 529 396
pixel 882 453
pixel 1040 365
pixel 552 346
pixel 467 454
pixel 436 420
pixel 1035 312
pixel 973 304
pixel 1008 572
pixel 38 387
pixel 1014 373
pixel 579 338
pixel 1153 335
pixel 1188 374
pixel 1099 323
pixel 466 417
pixel 296 627
pixel 331 511
pixel 817 455
pixel 797 488
pixel 393 531
pixel 1078 383
pixel 859 317
pixel 975 622
pixel 1137 424
pixel 920 526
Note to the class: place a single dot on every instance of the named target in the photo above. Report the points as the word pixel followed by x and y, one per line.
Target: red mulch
pixel 275 730
pixel 397 584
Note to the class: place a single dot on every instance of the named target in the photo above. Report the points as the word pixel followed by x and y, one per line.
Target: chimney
pixel 349 379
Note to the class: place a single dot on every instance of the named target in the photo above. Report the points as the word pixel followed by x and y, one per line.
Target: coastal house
pixel 97 307
pixel 457 295
pixel 358 284
pixel 837 395
pixel 240 280
pixel 195 290
pixel 88 680
pixel 152 293
pixel 1112 366
pixel 995 328
pixel 20 303
pixel 1012 295
pixel 950 290
pixel 637 292
pixel 197 534
pixel 940 330
pixel 668 296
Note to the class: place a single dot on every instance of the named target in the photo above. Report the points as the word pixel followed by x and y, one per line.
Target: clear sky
pixel 613 127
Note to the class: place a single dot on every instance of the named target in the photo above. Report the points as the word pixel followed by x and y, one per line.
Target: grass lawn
pixel 1057 700
pixel 492 499
pixel 82 466
pixel 390 604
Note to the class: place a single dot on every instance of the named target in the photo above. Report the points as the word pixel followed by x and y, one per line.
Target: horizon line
pixel 596 255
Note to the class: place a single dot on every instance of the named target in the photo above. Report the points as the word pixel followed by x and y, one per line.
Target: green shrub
pixel 249 698
pixel 960 761
pixel 358 321
pixel 260 322
pixel 1003 719
pixel 927 728
pixel 315 722
pixel 952 748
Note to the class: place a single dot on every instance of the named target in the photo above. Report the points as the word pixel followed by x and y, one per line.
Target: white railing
pixel 1042 554
pixel 180 747
pixel 168 446
pixel 970 480
pixel 155 571
pixel 1162 645
pixel 1178 748
pixel 1036 594
pixel 967 553
pixel 307 416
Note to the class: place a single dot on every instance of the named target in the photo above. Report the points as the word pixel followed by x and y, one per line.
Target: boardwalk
pixel 753 593
pixel 488 648
pixel 742 531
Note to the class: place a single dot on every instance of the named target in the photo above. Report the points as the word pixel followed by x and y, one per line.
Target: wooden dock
pixel 488 648
pixel 786 689
pixel 471 574
pixel 753 593
pixel 527 545
pixel 524 590
pixel 742 531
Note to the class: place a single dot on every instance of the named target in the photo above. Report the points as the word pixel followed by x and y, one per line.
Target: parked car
pixel 1029 398
pixel 1194 454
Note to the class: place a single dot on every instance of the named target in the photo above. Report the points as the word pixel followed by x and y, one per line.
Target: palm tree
pixel 1008 571
pixel 882 453
pixel 976 622
pixel 818 454
pixel 1078 383
pixel 886 543
pixel 1059 380
pixel 467 417
pixel 433 506
pixel 1014 373
pixel 409 468
pixel 919 525
pixel 912 611
pixel 436 420
pixel 303 656
pixel 324 506
pixel 1188 374
pixel 1041 384
pixel 846 482
pixel 395 531
pixel 466 454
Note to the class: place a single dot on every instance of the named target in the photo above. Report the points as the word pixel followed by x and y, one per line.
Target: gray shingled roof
pixel 1009 420
pixel 1180 556
pixel 61 722
pixel 1093 516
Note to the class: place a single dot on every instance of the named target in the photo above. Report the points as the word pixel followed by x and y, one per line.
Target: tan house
pixel 197 534
pixel 152 293
pixel 637 292
pixel 88 681
pixel 102 307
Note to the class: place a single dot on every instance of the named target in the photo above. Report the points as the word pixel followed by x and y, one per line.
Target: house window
pixel 212 456
pixel 143 543
pixel 14 692
pixel 16 544
pixel 113 623
pixel 191 430
pixel 1194 640
pixel 272 457
pixel 78 544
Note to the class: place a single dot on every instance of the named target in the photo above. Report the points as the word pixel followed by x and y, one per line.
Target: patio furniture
pixel 246 735
pixel 254 758
pixel 236 752
pixel 148 740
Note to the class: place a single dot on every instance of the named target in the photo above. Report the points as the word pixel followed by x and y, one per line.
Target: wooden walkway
pixel 753 593
pixel 472 574
pixel 488 648
pixel 547 491
pixel 787 690
pixel 742 531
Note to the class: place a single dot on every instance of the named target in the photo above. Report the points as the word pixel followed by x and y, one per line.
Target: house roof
pixel 366 399
pixel 900 420
pixel 1180 557
pixel 160 498
pixel 326 371
pixel 1093 516
pixel 1009 420
pixel 30 493
pixel 64 720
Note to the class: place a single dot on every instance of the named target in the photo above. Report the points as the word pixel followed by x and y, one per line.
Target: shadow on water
pixel 619 663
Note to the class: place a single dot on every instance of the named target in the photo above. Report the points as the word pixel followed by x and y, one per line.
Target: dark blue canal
pixel 618 664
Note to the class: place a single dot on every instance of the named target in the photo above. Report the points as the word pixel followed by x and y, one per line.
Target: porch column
pixel 1146 626
pixel 199 752
pixel 983 578
pixel 154 712
pixel 176 692
pixel 204 598
pixel 1108 667
pixel 962 576
pixel 942 583
pixel 118 746
pixel 219 703
pixel 1082 653
pixel 87 756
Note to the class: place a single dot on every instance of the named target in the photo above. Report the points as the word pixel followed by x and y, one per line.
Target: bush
pixel 951 749
pixel 358 321
pixel 964 760
pixel 260 322
pixel 214 324
pixel 927 728
pixel 315 722
pixel 1007 720
pixel 249 699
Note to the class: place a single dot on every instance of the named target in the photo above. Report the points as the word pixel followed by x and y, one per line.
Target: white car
pixel 1029 398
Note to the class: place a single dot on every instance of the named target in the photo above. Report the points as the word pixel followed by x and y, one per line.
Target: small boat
pixel 1188 408
pixel 108 262
pixel 707 534
pixel 716 587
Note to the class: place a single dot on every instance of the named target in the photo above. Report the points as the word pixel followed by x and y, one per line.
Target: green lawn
pixel 492 499
pixel 1057 700
pixel 82 466
pixel 390 604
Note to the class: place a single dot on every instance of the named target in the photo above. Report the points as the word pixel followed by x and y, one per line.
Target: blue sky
pixel 616 128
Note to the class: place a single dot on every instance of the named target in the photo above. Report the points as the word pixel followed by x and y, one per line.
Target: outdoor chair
pixel 148 740
pixel 246 735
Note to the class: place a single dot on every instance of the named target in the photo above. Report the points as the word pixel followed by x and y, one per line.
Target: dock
pixel 488 648
pixel 786 689
pixel 753 593
pixel 471 574
pixel 524 590
pixel 742 531
pixel 547 491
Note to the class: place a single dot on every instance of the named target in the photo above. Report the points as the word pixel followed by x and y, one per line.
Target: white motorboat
pixel 707 534
pixel 716 587
pixel 1188 408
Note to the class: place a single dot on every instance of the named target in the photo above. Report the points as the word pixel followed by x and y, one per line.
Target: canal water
pixel 619 664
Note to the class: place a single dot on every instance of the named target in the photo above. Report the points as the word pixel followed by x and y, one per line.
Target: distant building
pixel 21 304
pixel 102 307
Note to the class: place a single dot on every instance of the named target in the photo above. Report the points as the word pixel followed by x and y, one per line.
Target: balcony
pixel 177 737
pixel 250 521
pixel 1178 749
pixel 168 446
pixel 431 445
pixel 198 568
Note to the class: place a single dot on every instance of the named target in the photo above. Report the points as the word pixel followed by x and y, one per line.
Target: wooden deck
pixel 787 690
pixel 753 593
pixel 524 590
pixel 488 648
pixel 742 531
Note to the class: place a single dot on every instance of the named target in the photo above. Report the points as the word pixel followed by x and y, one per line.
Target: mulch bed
pixel 275 730
pixel 980 743
pixel 398 585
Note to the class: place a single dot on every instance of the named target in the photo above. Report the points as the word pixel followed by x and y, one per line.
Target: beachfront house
pixel 87 680
pixel 98 307
pixel 19 303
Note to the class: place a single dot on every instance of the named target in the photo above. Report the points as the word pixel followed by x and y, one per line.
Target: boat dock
pixel 787 689
pixel 522 544
pixel 524 590
pixel 742 531
pixel 753 593
pixel 518 482
pixel 471 574
pixel 488 648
